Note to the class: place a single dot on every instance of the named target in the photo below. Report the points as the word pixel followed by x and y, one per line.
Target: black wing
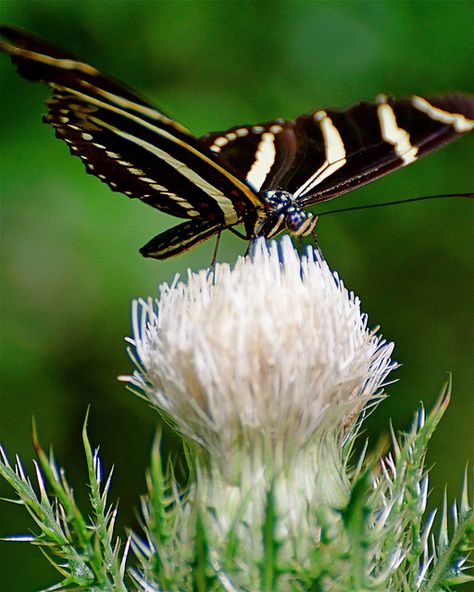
pixel 326 153
pixel 125 141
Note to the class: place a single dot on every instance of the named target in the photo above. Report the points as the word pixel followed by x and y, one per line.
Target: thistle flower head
pixel 266 367
pixel 259 357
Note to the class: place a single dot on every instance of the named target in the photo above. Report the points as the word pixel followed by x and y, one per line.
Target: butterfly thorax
pixel 284 214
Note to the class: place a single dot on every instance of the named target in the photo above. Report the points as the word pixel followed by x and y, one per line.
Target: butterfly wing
pixel 350 148
pixel 261 154
pixel 326 153
pixel 125 141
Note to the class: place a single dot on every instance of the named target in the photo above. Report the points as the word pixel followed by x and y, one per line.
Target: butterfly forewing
pixel 371 140
pixel 111 158
pixel 38 60
pixel 126 142
pixel 326 153
pixel 134 158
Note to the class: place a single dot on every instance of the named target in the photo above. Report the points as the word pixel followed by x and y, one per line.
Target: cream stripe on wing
pixel 457 120
pixel 335 153
pixel 224 203
pixel 127 104
pixel 62 63
pixel 264 159
pixel 394 135
pixel 70 64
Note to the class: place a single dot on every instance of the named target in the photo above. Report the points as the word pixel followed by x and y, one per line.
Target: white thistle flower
pixel 256 361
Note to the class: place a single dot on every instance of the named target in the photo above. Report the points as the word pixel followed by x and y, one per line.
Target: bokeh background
pixel 70 261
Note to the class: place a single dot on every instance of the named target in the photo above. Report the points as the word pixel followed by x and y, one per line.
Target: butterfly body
pixel 260 176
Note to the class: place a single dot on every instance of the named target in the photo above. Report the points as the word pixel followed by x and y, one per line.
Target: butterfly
pixel 261 176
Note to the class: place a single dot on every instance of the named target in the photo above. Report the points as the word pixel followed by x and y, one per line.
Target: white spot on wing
pixel 180 201
pixel 221 141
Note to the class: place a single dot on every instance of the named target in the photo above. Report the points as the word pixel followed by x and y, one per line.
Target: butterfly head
pixel 285 214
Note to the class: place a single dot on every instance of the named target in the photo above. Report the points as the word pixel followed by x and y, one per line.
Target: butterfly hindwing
pixel 179 239
pixel 259 154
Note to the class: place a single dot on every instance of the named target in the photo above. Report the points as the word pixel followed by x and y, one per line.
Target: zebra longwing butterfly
pixel 261 176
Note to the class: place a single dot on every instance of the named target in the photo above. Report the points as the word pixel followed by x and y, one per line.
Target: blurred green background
pixel 70 261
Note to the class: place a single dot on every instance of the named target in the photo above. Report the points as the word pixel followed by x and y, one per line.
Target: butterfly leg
pixel 245 237
pixel 214 254
pixel 237 233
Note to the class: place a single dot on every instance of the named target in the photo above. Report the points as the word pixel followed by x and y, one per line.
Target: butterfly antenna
pixel 397 202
